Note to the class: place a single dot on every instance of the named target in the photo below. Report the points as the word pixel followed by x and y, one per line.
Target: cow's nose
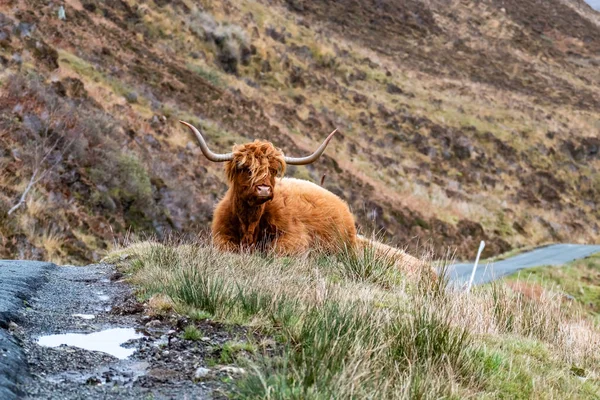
pixel 263 191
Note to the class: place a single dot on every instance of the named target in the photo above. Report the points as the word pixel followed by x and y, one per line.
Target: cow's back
pixel 325 216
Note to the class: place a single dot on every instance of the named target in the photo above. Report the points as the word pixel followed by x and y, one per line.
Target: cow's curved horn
pixel 313 157
pixel 205 150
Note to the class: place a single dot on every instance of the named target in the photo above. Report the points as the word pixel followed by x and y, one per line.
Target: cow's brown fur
pixel 297 216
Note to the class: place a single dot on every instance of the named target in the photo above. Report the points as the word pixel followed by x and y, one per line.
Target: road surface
pixel 556 254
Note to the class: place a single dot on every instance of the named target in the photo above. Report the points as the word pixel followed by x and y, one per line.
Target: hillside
pixel 459 121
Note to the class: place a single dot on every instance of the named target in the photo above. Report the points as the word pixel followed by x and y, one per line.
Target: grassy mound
pixel 353 327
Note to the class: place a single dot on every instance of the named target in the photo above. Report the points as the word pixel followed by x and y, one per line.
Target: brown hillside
pixel 459 120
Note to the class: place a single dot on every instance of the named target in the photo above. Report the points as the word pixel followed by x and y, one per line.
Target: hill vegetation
pixel 460 121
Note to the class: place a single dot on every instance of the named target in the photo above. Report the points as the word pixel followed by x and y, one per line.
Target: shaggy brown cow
pixel 263 210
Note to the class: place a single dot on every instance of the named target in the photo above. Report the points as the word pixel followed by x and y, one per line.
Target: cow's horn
pixel 313 157
pixel 205 150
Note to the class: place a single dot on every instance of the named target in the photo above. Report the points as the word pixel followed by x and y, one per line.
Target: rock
pixel 42 52
pixel 275 35
pixel 462 148
pixel 296 77
pixel 17 59
pixel 153 324
pixel 470 228
pixel 75 88
pixel 265 67
pixel 296 5
pixel 201 372
pixel 548 193
pixel 393 89
pixel 24 29
pixel 359 98
pixel 59 88
pixel 131 97
pixel 358 75
pixel 233 370
pixel 4 39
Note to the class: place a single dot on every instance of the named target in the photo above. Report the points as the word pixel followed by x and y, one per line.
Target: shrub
pixel 229 40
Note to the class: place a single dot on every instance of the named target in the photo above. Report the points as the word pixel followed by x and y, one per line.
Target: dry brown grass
pixel 344 335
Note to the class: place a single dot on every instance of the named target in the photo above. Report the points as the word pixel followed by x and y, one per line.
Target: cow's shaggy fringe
pixel 352 326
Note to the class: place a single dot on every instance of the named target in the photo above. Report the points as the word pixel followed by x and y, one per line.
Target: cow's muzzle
pixel 264 191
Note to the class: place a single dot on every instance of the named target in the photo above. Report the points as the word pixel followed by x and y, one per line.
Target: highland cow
pixel 263 210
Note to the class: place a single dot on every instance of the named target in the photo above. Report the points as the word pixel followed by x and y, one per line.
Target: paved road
pixel 556 254
pixel 19 281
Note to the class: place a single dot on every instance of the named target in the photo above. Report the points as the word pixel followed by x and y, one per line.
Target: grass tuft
pixel 191 332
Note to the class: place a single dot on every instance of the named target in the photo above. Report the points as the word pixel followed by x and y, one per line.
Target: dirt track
pixel 162 366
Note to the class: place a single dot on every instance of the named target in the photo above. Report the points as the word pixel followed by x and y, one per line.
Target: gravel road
pixel 153 362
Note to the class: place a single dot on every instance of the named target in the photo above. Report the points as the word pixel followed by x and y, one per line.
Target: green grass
pixel 230 351
pixel 84 69
pixel 346 326
pixel 207 74
pixel 191 332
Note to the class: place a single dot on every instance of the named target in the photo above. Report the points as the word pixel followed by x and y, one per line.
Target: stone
pixel 233 370
pixel 153 324
pixel 393 89
pixel 462 148
pixel 201 372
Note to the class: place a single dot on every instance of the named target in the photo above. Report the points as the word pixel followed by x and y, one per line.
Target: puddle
pixel 107 341
pixel 84 316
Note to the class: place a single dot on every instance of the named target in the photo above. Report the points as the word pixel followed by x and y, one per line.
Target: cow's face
pixel 253 170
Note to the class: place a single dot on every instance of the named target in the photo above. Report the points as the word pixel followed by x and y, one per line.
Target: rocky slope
pixel 459 121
